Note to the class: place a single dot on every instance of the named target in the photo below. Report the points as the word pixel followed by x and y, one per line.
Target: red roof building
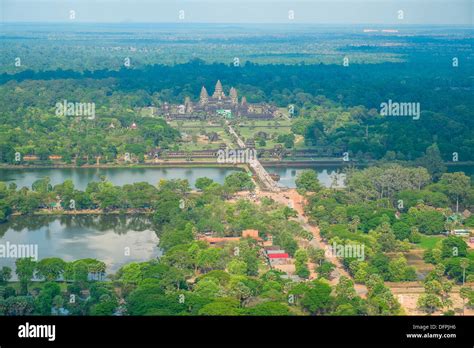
pixel 279 251
pixel 278 256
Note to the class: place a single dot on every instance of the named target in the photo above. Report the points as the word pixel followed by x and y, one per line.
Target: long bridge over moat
pixel 265 180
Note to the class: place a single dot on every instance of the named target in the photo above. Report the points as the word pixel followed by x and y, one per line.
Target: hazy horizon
pixel 316 12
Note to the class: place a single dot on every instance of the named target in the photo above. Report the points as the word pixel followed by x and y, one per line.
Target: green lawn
pixel 248 129
pixel 429 242
pixel 196 128
pixel 36 284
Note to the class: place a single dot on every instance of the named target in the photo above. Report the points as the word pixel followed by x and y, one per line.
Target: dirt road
pixel 293 199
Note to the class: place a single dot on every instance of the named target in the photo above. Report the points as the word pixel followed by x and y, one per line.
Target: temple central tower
pixel 218 91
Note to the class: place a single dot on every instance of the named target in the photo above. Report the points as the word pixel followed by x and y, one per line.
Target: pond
pixel 115 240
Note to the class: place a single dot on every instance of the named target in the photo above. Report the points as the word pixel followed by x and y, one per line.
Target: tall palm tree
pixel 464 293
pixel 464 263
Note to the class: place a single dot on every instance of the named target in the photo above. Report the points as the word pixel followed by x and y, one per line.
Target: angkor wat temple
pixel 219 105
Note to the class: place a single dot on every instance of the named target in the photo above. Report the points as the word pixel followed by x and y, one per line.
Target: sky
pixel 436 12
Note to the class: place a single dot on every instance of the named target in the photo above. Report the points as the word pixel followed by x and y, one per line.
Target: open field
pixel 271 128
pixel 429 242
pixel 408 293
pixel 194 135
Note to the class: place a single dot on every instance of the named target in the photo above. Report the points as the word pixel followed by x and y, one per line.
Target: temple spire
pixel 188 104
pixel 233 96
pixel 203 97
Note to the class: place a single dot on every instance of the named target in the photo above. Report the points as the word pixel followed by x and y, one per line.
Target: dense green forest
pixel 366 212
pixel 334 104
pixel 328 106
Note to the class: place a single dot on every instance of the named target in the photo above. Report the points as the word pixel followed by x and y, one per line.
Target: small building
pixel 272 247
pixel 278 256
pixel 279 259
pixel 55 157
pixel 133 126
pixel 251 234
pixel 278 251
pixel 30 158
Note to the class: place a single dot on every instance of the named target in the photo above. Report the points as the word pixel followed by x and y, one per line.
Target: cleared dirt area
pixel 408 293
pixel 288 268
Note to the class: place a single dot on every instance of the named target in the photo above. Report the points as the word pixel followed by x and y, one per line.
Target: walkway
pixel 266 181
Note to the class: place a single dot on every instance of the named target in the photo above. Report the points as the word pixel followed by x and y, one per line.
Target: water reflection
pixel 330 176
pixel 118 176
pixel 113 239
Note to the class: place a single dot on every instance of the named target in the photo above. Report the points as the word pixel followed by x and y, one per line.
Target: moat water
pixel 121 176
pixel 327 175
